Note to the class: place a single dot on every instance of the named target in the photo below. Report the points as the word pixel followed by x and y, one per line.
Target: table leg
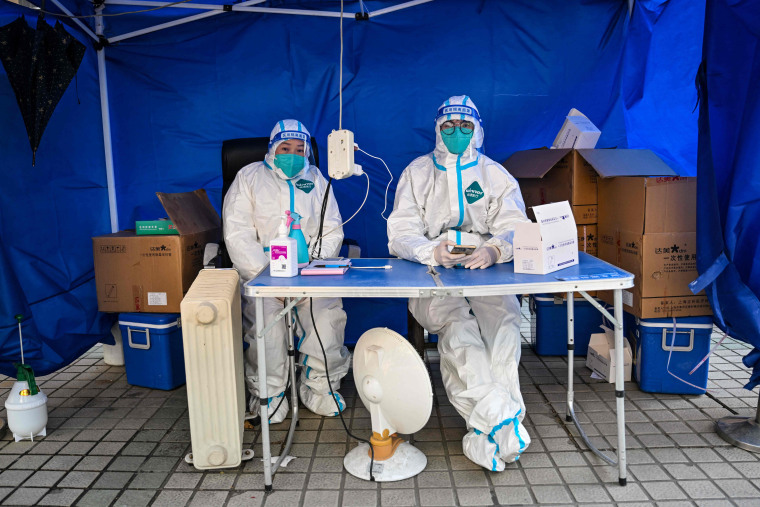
pixel 291 329
pixel 263 395
pixel 620 387
pixel 570 354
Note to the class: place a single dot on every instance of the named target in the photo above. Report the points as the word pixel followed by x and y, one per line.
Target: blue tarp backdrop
pixel 176 94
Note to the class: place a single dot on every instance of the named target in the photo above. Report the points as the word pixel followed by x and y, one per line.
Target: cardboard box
pixel 549 245
pixel 152 273
pixel 647 226
pixel 571 175
pixel 162 226
pixel 577 132
pixel 601 356
pixel 588 239
pixel 647 205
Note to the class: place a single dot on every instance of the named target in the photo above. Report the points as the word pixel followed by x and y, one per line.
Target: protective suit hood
pixel 286 130
pixel 458 107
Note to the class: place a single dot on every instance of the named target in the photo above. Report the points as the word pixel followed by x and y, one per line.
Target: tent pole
pixel 398 7
pixel 85 28
pixel 106 119
pixel 181 21
pixel 151 3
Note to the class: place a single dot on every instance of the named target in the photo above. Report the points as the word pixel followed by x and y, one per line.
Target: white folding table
pixel 411 280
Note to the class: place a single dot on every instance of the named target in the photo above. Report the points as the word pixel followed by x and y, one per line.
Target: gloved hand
pixel 444 257
pixel 483 257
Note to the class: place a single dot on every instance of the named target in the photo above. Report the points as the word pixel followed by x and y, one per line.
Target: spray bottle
pixel 283 254
pixel 294 221
pixel 26 406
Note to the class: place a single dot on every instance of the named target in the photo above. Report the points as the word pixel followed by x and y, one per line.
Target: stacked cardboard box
pixel 647 226
pixel 152 273
pixel 547 176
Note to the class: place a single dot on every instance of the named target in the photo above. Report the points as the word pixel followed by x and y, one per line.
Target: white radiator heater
pixel 213 343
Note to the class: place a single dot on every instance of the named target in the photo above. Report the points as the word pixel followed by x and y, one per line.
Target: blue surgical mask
pixel 456 142
pixel 289 163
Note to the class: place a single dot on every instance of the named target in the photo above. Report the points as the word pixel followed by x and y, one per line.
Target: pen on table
pixel 387 266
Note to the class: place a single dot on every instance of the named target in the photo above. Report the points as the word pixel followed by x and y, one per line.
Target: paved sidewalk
pixel 110 443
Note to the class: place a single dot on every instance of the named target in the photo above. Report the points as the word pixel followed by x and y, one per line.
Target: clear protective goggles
pixel 466 127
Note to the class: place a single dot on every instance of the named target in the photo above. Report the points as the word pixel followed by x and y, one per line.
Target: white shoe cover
pixel 482 450
pixel 278 416
pixel 320 404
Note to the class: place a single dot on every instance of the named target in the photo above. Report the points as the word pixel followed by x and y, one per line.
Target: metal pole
pixel 620 386
pixel 106 120
pixel 742 432
pixel 263 395
pixel 570 354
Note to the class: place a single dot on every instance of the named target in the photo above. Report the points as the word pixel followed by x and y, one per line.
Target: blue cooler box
pixel 153 352
pixel 548 324
pixel 651 341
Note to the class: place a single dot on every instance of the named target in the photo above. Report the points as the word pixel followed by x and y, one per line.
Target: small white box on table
pixel 548 245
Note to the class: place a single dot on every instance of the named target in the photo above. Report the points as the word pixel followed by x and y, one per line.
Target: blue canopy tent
pixel 156 105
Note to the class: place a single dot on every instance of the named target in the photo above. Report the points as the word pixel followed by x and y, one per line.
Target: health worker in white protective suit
pixel 457 188
pixel 253 210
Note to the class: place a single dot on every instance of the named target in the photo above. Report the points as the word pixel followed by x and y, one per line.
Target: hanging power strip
pixel 340 154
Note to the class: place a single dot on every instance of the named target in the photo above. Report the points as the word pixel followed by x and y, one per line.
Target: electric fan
pixel 394 385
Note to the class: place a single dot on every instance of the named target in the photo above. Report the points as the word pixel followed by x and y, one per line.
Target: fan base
pixel 406 462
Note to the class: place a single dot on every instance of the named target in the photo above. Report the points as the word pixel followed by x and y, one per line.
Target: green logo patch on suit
pixel 473 193
pixel 305 185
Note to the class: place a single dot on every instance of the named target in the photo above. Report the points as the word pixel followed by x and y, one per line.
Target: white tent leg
pixel 106 119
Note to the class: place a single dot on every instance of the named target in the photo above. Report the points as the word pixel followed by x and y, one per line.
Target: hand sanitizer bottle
pixel 294 220
pixel 283 253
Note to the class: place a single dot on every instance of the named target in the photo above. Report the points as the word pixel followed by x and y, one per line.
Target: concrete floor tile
pixel 470 478
pixel 78 479
pixel 701 489
pixel 62 497
pixel 209 498
pixel 44 479
pixel 513 495
pixel 738 488
pixel 719 470
pixel 245 499
pixel 437 497
pixel 135 498
pixel 510 476
pixel 14 477
pixel 283 498
pixel 551 494
pixel 112 480
pixel 218 481
pixel 148 480
pixel 474 496
pixel 26 496
pixel 588 493
pixel 126 463
pixel 665 490
pixel 174 498
pixel 29 462
pixel 321 498
pixel 324 481
pixel 629 493
pixel 542 476
pixel 434 480
pixel 184 481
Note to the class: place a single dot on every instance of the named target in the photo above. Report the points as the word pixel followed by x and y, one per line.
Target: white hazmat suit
pixel 253 210
pixel 478 337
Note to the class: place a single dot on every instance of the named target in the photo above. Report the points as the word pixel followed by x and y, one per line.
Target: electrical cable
pixel 335 398
pixel 387 187
pixel 355 213
pixel 340 79
pixel 318 242
pixel 84 16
